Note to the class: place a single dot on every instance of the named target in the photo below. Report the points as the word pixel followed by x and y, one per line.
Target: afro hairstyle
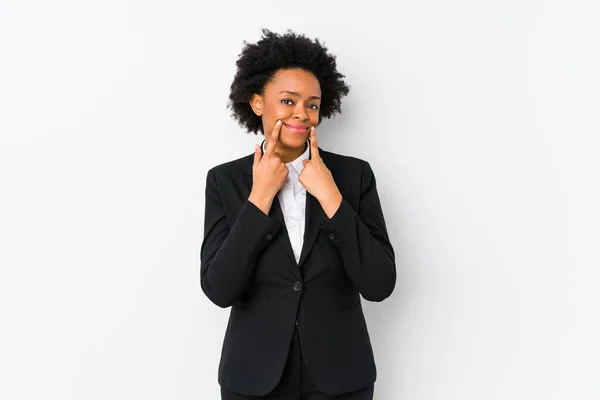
pixel 258 63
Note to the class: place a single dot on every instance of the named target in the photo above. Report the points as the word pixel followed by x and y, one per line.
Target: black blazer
pixel 247 262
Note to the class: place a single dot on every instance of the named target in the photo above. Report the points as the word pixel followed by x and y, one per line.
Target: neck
pixel 290 155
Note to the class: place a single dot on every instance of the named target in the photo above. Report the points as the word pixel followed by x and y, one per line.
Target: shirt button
pixel 269 236
pixel 297 286
pixel 331 236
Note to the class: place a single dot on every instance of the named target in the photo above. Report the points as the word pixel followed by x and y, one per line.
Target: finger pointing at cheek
pixel 314 146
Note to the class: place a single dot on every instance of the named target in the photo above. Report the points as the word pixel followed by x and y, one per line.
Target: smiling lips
pixel 297 128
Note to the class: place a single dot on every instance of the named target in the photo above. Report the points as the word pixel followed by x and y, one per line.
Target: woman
pixel 294 235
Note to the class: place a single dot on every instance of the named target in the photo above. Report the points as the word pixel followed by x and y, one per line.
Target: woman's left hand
pixel 318 181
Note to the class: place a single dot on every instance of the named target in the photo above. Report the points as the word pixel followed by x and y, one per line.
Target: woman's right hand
pixel 268 173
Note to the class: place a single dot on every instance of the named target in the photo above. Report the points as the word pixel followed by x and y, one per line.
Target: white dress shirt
pixel 292 198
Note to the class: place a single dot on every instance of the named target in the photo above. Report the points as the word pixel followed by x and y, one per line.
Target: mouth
pixel 296 128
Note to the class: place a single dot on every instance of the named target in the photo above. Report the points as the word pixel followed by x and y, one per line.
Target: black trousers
pixel 295 383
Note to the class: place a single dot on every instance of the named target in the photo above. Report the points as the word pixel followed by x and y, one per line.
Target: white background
pixel 481 122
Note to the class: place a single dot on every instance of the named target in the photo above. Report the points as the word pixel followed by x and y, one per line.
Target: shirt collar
pixel 297 163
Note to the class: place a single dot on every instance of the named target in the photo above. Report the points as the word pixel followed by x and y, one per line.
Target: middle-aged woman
pixel 294 235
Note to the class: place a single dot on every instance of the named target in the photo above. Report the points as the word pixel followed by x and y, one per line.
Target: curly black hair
pixel 258 63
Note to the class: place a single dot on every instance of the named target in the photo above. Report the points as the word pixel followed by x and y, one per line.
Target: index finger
pixel 314 146
pixel 273 138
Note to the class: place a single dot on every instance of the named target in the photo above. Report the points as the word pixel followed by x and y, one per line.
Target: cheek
pixel 314 117
pixel 277 111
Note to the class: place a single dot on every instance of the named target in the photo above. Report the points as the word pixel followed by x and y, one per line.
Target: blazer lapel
pixel 283 237
pixel 315 217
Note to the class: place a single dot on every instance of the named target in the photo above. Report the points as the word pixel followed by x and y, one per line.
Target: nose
pixel 300 112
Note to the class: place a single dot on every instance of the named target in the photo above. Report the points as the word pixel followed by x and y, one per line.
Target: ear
pixel 256 102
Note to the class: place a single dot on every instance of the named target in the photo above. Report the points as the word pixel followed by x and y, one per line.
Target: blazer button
pixel 269 236
pixel 331 236
pixel 297 286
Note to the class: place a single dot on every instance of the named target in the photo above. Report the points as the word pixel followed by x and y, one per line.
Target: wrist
pixel 261 200
pixel 331 204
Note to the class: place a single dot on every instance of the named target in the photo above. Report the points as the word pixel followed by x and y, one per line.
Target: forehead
pixel 296 80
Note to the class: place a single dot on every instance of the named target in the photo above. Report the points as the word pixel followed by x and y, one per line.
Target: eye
pixel 314 106
pixel 285 101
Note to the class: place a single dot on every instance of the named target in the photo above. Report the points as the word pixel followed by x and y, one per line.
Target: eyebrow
pixel 298 94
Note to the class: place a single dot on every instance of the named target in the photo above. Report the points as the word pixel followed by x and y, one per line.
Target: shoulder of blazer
pixel 346 169
pixel 335 160
pixel 240 165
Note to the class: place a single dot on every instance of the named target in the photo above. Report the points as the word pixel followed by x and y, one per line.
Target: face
pixel 294 97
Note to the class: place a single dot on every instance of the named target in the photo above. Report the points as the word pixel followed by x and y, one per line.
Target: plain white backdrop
pixel 480 120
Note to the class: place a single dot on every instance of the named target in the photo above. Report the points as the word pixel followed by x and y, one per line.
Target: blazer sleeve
pixel 362 240
pixel 228 253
